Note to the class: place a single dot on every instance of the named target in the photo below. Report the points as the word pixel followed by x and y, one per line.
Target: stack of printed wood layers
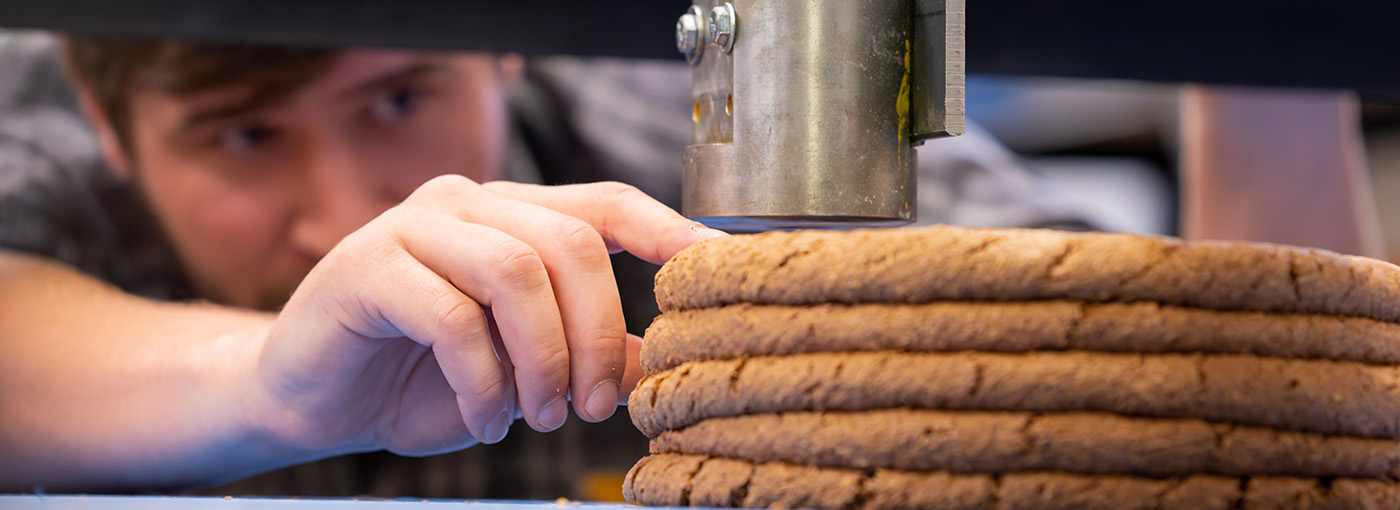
pixel 951 368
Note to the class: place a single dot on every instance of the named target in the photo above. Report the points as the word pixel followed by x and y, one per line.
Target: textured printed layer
pixel 1084 443
pixel 771 330
pixel 695 480
pixel 920 265
pixel 1322 397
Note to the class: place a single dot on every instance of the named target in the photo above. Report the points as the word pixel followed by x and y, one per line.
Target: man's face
pixel 253 195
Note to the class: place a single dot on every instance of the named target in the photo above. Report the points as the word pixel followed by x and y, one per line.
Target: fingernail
pixel 704 232
pixel 496 430
pixel 603 400
pixel 553 413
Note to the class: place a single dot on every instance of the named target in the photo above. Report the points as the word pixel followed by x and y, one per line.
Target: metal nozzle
pixel 807 121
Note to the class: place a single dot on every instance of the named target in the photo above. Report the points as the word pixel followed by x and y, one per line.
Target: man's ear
pixel 112 151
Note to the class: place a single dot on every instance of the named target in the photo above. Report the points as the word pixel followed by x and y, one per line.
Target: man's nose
pixel 340 192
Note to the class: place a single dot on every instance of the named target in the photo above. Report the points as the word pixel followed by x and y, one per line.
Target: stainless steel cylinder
pixel 820 119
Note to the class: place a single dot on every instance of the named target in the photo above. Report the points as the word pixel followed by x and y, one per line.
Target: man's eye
pixel 244 138
pixel 394 105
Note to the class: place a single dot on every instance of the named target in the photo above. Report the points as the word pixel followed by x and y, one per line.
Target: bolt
pixel 688 35
pixel 723 21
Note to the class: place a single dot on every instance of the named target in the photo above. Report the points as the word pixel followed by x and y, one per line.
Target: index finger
pixel 626 217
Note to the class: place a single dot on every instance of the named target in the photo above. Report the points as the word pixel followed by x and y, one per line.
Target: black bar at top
pixel 1336 43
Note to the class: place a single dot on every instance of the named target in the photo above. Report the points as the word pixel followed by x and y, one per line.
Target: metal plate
pixel 1340 43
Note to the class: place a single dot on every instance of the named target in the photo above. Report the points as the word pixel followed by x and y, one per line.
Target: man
pixel 430 310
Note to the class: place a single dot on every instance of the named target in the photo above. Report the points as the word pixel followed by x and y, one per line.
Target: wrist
pixel 276 407
pixel 268 425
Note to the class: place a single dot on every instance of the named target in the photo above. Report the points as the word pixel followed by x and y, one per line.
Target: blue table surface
pixel 39 502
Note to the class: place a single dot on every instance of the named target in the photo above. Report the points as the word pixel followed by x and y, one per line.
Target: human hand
pixel 440 321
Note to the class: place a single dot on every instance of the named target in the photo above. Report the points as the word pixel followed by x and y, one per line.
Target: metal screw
pixel 688 35
pixel 723 21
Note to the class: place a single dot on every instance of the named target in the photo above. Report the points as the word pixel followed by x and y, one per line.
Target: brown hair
pixel 110 67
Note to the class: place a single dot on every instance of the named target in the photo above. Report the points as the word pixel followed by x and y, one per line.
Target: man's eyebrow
pixel 255 102
pixel 419 68
pixel 224 111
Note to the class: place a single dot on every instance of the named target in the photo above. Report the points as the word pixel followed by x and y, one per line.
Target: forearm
pixel 1276 166
pixel 104 391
